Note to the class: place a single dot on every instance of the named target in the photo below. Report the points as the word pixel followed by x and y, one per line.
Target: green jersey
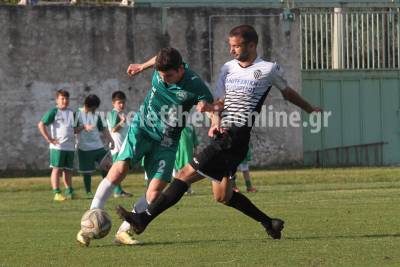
pixel 187 143
pixel 61 124
pixel 161 115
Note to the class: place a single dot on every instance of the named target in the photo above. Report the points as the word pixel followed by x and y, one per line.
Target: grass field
pixel 334 217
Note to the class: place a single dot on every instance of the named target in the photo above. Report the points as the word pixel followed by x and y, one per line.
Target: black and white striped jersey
pixel 245 89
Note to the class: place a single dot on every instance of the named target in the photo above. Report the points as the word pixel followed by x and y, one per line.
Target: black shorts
pixel 222 156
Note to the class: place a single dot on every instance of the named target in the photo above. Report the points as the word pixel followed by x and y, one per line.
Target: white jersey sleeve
pixel 277 77
pixel 220 89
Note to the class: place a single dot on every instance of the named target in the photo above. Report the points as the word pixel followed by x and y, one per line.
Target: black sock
pixel 243 204
pixel 167 199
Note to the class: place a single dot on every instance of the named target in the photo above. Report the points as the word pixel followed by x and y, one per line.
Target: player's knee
pixel 221 198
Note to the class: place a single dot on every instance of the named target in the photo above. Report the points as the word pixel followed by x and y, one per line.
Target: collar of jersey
pixel 256 60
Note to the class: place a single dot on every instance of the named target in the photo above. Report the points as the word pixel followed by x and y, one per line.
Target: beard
pixel 244 56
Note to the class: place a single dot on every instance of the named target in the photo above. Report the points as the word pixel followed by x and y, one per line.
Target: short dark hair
pixel 247 32
pixel 168 58
pixel 92 101
pixel 63 93
pixel 118 95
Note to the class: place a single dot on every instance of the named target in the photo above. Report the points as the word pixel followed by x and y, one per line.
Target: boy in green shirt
pixel 90 146
pixel 118 128
pixel 60 122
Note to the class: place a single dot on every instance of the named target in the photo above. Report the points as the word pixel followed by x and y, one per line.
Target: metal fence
pixel 350 40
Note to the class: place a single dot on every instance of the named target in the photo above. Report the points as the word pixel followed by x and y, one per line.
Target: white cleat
pixel 125 238
pixel 82 240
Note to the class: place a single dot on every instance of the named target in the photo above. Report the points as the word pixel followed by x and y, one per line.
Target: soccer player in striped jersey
pixel 242 87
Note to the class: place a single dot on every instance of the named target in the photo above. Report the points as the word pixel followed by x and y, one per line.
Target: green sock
pixel 87 180
pixel 56 191
pixel 117 190
pixel 69 191
pixel 248 183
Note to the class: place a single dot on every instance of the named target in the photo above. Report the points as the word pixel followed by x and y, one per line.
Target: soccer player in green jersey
pixel 155 131
pixel 60 121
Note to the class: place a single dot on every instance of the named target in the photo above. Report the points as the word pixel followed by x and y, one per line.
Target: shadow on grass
pixel 344 237
pixel 210 241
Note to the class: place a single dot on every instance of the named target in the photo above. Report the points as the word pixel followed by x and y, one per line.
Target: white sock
pixel 103 192
pixel 125 226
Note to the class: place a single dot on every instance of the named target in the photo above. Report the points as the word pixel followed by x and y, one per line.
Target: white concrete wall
pixel 87 49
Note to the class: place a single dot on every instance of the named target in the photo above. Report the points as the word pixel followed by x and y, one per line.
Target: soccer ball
pixel 95 223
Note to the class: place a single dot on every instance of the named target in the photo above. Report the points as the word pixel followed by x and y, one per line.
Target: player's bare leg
pixel 67 179
pixel 55 178
pixel 55 184
pixel 222 191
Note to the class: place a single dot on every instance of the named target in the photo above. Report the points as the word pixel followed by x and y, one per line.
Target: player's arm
pixel 45 134
pixel 134 69
pixel 107 137
pixel 216 106
pixel 288 93
pixel 118 126
pixel 105 133
pixel 292 96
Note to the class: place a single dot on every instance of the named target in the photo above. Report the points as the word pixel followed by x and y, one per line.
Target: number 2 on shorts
pixel 161 167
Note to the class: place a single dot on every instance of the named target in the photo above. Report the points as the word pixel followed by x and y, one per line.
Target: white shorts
pixel 244 167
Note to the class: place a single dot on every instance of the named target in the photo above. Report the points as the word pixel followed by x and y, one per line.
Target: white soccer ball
pixel 95 223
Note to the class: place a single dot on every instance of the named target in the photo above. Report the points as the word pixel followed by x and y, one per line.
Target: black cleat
pixel 274 229
pixel 134 219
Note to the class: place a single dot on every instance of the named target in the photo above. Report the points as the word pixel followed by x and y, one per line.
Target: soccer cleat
pixel 123 194
pixel 134 219
pixel 275 228
pixel 59 197
pixel 126 238
pixel 82 240
pixel 89 195
pixel 251 190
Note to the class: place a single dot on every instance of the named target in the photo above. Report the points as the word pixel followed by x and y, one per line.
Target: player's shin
pixel 103 192
pixel 167 199
pixel 244 205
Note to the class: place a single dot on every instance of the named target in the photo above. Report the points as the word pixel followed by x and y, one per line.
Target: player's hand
pixel 134 69
pixel 206 107
pixel 213 130
pixel 111 144
pixel 53 141
pixel 201 106
pixel 122 118
pixel 88 127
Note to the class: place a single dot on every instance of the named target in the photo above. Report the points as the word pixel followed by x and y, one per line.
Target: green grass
pixel 334 217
